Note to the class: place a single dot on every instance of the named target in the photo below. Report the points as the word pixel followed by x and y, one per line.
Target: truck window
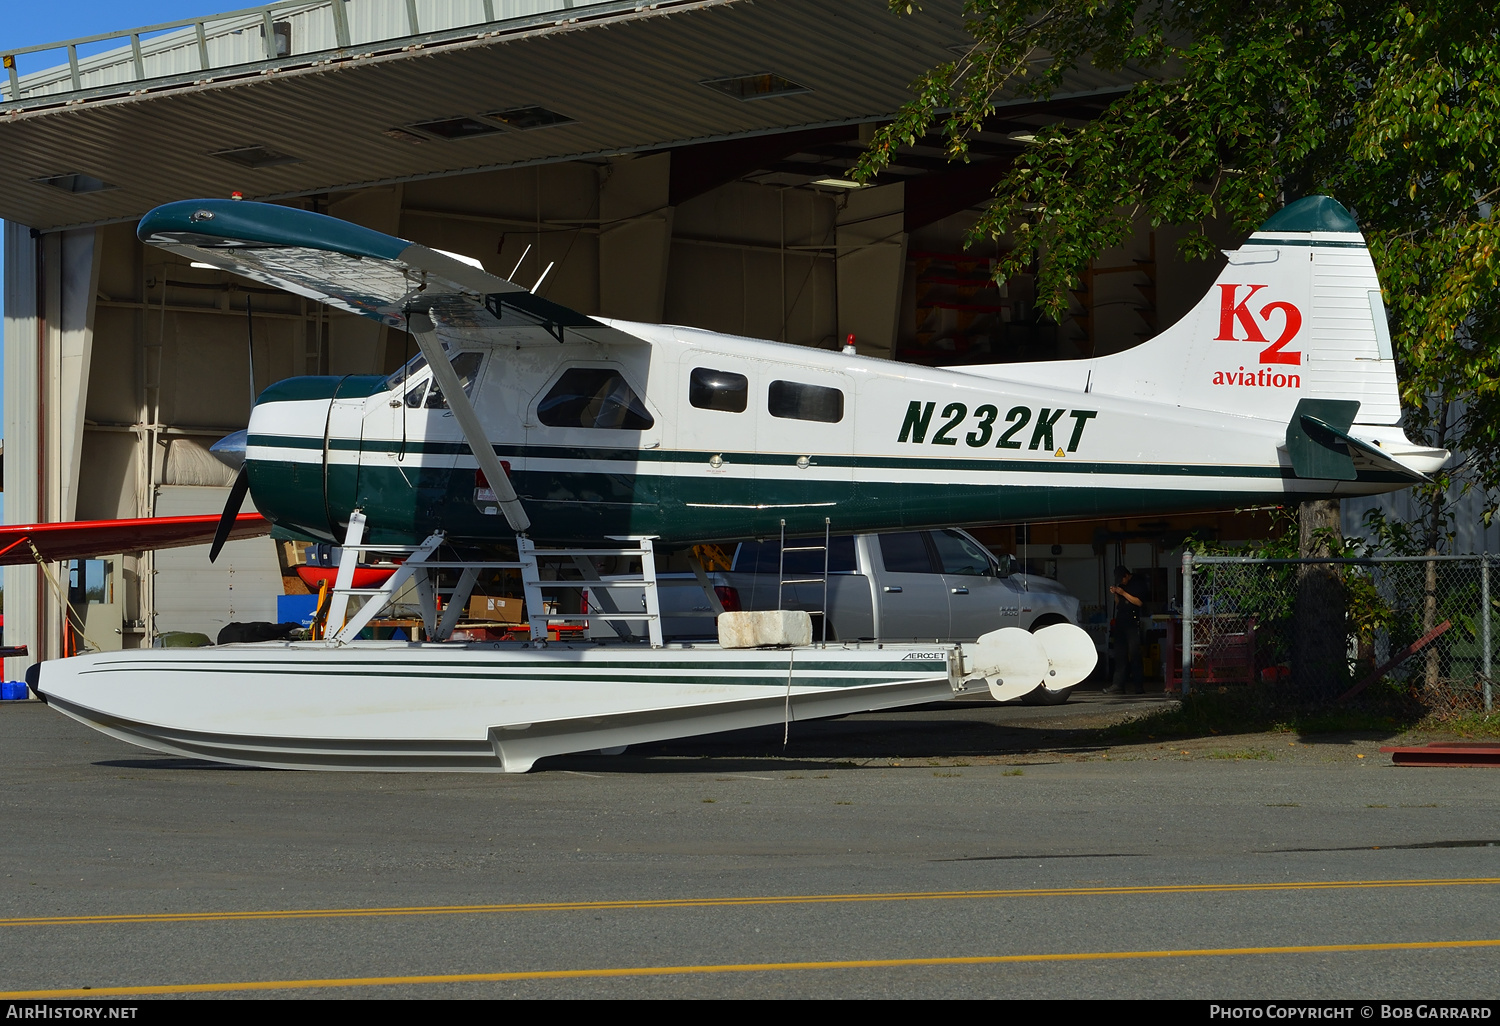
pixel 958 555
pixel 906 553
pixel 793 400
pixel 594 397
pixel 764 557
pixel 718 390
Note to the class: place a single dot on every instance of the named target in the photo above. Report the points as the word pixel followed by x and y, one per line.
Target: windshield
pixel 406 372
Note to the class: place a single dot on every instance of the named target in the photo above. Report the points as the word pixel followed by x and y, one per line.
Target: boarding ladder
pixel 783 580
pixel 421 567
pixel 582 560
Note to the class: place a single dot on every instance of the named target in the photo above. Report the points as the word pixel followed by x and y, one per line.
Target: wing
pixel 84 539
pixel 364 272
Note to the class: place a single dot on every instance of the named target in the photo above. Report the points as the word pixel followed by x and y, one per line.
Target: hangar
pixel 680 161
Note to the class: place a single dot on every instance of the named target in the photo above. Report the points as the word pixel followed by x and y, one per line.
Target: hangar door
pixel 193 594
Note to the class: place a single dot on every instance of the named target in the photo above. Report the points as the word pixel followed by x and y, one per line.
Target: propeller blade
pixel 231 510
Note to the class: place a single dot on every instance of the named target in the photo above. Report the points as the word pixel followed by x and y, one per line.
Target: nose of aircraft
pixel 230 450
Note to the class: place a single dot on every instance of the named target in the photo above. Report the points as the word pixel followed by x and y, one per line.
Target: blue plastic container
pixel 13 691
pixel 296 609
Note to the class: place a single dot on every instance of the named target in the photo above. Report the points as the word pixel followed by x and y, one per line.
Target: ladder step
pixel 563 553
pixel 594 616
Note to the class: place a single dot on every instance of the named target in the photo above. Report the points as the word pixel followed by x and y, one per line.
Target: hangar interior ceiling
pixel 660 195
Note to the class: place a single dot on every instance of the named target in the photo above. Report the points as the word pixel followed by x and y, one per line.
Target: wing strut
pixel 422 329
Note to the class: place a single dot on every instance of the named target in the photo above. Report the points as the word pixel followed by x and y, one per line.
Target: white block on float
pixel 763 628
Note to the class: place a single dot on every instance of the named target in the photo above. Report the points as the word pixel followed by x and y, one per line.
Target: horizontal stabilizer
pixel 1363 454
pixel 1321 447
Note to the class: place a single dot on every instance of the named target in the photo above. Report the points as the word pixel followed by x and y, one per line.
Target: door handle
pixel 960 591
pixel 888 589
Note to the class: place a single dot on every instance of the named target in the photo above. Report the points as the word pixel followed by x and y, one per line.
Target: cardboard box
pixel 501 610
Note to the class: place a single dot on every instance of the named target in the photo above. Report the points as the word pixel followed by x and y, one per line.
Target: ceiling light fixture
pixel 75 182
pixel 755 87
pixel 256 156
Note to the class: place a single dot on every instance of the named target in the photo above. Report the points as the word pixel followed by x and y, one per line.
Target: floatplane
pixel 523 434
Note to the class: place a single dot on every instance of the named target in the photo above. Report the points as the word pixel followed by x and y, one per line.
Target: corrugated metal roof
pixel 628 82
pixel 286 33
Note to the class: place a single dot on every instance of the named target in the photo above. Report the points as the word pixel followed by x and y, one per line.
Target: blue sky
pixel 31 24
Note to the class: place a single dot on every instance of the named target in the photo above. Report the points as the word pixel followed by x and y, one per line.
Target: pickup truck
pixel 939 585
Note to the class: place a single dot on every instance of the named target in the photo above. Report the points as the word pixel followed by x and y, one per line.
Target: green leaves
pixel 1391 107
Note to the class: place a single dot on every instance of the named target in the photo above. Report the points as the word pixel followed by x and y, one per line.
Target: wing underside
pixel 364 272
pixel 85 539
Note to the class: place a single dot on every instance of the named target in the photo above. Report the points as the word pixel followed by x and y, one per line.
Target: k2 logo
pixel 1235 312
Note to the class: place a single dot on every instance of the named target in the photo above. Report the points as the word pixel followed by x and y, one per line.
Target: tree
pixel 1390 106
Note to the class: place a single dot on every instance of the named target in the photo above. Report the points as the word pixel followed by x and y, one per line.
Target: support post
pixel 1187 622
pixel 340 24
pixel 338 609
pixel 1484 598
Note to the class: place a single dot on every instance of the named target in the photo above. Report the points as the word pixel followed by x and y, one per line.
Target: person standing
pixel 1125 644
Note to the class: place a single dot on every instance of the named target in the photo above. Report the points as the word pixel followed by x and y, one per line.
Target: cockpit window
pixel 425 394
pixel 405 373
pixel 594 397
pixel 466 366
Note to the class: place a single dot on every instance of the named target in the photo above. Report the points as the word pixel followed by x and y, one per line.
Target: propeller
pixel 237 495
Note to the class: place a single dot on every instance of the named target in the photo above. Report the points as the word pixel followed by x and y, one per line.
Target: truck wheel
pixel 817 629
pixel 1041 696
pixel 1046 621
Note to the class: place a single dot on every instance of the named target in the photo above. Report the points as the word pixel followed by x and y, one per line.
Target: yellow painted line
pixel 749 967
pixel 788 899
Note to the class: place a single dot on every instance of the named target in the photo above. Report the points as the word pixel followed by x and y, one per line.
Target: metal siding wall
pixel 22 406
pixel 192 594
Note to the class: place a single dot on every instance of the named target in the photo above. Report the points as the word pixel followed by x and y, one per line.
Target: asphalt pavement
pixel 959 850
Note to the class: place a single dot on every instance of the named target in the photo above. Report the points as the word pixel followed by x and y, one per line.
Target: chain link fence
pixel 1400 628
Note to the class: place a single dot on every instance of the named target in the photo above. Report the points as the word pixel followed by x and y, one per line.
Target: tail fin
pixel 1296 314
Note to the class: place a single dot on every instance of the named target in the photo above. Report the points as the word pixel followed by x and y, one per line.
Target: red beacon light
pixel 236 195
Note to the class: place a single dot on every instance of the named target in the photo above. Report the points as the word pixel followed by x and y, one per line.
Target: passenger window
pixel 959 555
pixel 594 397
pixel 718 390
pixel 466 366
pixel 905 553
pixel 793 400
pixel 414 397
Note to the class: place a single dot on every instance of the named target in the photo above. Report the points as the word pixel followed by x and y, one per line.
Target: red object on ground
pixel 1397 659
pixel 364 576
pixel 84 539
pixel 1446 753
